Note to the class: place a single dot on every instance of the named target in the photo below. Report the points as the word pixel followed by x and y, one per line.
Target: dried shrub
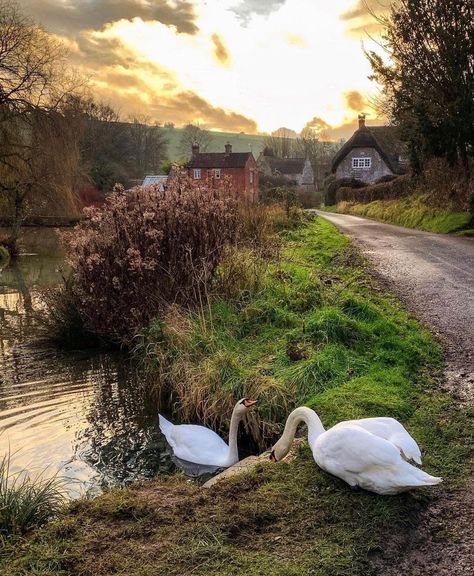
pixel 146 249
pixel 333 186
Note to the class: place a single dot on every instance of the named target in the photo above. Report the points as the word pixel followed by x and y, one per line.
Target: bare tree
pixel 192 134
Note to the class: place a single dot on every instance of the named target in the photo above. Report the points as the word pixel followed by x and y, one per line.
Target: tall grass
pixel 26 502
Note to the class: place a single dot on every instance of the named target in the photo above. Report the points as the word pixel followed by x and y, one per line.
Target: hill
pixel 240 142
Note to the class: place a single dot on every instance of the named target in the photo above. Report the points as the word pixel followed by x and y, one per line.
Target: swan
pixel 200 445
pixel 371 453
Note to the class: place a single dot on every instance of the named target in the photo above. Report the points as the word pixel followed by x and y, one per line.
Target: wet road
pixel 434 275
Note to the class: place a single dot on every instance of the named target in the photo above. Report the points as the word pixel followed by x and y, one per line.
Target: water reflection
pixel 86 415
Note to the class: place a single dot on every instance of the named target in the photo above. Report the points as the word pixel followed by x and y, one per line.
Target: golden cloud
pixel 220 51
pixel 361 18
pixel 355 101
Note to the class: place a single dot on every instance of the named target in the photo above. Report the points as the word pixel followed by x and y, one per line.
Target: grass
pixel 4 256
pixel 25 502
pixel 317 330
pixel 411 212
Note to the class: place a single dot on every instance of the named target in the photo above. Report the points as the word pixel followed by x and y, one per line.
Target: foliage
pixel 413 212
pixel 26 503
pixel 333 185
pixel 145 249
pixel 4 255
pixel 430 43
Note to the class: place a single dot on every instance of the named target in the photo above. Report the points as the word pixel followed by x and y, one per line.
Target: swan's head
pixel 244 404
pixel 279 451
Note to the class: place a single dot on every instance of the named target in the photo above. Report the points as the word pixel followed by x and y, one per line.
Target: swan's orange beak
pixel 249 403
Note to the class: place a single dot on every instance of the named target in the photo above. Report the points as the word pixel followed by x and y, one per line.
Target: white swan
pixel 371 453
pixel 201 445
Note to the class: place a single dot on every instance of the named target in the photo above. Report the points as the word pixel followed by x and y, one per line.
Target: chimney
pixel 228 149
pixel 361 121
pixel 195 149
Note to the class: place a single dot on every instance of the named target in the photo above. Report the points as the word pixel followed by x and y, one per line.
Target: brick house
pixel 370 154
pixel 240 167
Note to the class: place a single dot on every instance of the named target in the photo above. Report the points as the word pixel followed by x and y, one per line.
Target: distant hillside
pixel 240 142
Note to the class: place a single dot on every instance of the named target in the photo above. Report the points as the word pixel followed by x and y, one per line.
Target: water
pixel 85 415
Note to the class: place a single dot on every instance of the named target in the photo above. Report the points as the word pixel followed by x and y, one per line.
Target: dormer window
pixel 362 163
pixel 197 173
pixel 217 173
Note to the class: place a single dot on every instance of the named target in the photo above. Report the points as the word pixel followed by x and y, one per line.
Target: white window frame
pixel 251 176
pixel 363 163
pixel 217 173
pixel 197 173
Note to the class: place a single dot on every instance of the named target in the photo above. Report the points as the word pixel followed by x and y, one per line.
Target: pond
pixel 85 415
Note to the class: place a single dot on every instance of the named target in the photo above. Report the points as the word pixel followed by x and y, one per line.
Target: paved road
pixel 434 275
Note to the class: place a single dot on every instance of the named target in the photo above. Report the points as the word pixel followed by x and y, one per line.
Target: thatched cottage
pixel 370 154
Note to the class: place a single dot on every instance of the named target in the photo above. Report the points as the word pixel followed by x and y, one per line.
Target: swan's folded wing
pixel 392 430
pixel 197 444
pixel 353 449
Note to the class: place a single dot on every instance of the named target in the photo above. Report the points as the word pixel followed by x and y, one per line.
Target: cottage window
pixel 217 173
pixel 361 162
pixel 197 173
pixel 251 176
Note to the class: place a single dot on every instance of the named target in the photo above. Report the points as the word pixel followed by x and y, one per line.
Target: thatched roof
pixel 384 139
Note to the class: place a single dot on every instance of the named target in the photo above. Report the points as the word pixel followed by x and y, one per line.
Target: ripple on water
pixel 84 415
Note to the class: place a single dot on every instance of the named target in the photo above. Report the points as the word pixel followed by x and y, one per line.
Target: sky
pixel 232 65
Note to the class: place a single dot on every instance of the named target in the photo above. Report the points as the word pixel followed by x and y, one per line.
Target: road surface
pixel 434 275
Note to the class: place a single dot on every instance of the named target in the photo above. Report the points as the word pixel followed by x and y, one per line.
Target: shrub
pixel 334 186
pixel 26 503
pixel 4 255
pixel 145 249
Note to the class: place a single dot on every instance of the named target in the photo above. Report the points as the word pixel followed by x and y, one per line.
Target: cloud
pixel 66 16
pixel 355 101
pixel 361 19
pixel 220 50
pixel 247 8
pixel 316 125
pixel 296 40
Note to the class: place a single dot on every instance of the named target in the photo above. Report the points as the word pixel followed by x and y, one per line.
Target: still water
pixel 84 415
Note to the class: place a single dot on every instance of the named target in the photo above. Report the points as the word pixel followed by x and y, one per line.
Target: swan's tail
pixel 165 425
pixel 419 478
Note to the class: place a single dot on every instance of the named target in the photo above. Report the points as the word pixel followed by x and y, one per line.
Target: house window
pixel 217 173
pixel 251 176
pixel 197 173
pixel 361 162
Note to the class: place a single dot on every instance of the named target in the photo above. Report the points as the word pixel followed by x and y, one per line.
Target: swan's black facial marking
pixel 272 456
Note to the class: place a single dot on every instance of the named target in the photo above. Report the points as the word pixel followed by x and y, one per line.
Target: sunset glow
pixel 227 64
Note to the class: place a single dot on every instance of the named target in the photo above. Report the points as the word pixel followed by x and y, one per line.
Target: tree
pixel 281 143
pixel 32 87
pixel 192 134
pixel 428 77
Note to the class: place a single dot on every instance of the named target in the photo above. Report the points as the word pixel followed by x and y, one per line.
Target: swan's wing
pixel 390 429
pixel 353 450
pixel 198 444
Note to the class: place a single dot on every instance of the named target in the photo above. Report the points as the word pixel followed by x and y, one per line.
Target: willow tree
pixel 32 87
pixel 426 70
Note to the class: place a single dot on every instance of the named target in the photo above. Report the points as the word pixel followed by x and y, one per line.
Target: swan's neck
pixel 312 421
pixel 233 432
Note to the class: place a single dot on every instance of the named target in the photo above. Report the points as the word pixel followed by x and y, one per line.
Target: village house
pixel 240 167
pixel 297 171
pixel 370 154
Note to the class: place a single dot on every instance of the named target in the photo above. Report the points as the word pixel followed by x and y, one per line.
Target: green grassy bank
pixel 412 212
pixel 312 327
